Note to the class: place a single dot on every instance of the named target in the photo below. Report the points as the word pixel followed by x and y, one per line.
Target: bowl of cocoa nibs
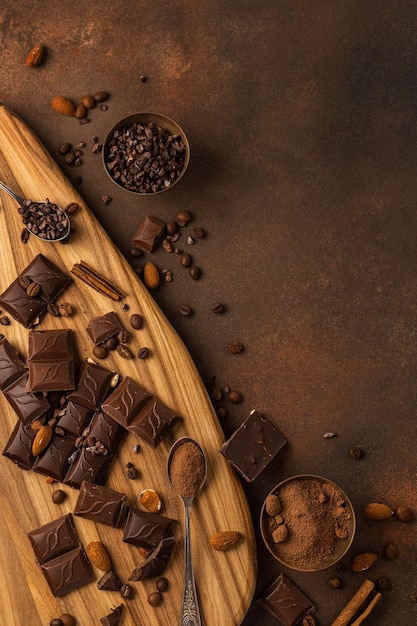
pixel 307 523
pixel 146 153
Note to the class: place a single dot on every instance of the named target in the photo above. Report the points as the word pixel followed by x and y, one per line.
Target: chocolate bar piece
pixel 93 385
pixel 148 233
pixel 146 529
pixel 74 418
pixel 11 365
pixel 54 538
pixel 156 563
pixel 105 430
pixel 19 446
pixel 68 571
pixel 51 360
pixel 88 466
pixel 54 461
pixel 252 446
pixel 27 310
pixel 101 504
pixel 286 602
pixel 140 412
pixel 103 327
pixel 113 618
pixel 48 276
pixel 28 406
pixel 109 582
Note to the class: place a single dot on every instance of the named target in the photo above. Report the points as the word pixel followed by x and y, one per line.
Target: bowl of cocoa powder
pixel 307 523
pixel 146 153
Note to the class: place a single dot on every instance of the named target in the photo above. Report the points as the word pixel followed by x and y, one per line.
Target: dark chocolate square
pixel 103 327
pixel 101 504
pixel 286 602
pixel 146 529
pixel 51 360
pixel 74 418
pixel 148 233
pixel 252 446
pixel 88 466
pixel 11 365
pixel 28 406
pixel 68 571
pixel 94 384
pixel 107 431
pixel 54 461
pixel 153 422
pixel 54 538
pixel 27 310
pixel 19 446
pixel 48 276
pixel 126 401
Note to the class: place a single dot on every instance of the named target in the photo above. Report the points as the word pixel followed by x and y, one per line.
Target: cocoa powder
pixel 316 517
pixel 187 469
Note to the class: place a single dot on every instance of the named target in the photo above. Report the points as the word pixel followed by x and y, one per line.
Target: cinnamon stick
pixel 97 281
pixel 359 606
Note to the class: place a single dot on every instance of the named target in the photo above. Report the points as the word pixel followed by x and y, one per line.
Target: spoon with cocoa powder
pixel 187 470
pixel 43 219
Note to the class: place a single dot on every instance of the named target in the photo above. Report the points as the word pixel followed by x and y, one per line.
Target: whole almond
pixel 42 439
pixel 150 275
pixel 364 561
pixel 63 105
pixel 377 511
pixel 35 56
pixel 98 555
pixel 224 540
pixel 150 499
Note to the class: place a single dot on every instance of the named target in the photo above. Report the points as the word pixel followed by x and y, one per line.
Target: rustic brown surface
pixel 169 373
pixel 302 122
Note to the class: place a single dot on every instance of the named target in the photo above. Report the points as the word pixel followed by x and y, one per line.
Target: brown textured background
pixel 302 120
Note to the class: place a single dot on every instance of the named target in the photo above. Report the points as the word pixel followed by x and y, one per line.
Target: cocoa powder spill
pixel 187 469
pixel 316 518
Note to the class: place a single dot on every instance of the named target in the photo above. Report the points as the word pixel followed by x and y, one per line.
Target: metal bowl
pixel 161 182
pixel 283 551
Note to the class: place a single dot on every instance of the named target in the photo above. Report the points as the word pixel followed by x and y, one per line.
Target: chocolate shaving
pixel 97 281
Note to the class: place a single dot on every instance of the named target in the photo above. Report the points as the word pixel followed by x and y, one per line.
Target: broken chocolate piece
pixel 156 563
pixel 148 233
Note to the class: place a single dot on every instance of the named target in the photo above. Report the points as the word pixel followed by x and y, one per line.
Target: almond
pixel 42 438
pixel 150 500
pixel 63 105
pixel 224 540
pixel 35 56
pixel 375 510
pixel 150 275
pixel 98 555
pixel 364 561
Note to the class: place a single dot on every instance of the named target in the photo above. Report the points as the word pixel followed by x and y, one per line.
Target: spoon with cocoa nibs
pixel 187 471
pixel 45 220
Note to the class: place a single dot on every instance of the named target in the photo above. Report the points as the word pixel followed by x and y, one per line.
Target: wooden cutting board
pixel 225 580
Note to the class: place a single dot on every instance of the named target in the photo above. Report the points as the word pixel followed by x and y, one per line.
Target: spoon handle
pixel 190 613
pixel 11 193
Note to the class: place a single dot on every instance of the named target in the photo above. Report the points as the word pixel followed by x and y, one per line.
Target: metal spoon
pixel 62 235
pixel 190 612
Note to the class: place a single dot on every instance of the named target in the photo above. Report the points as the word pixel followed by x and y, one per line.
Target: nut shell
pixel 150 499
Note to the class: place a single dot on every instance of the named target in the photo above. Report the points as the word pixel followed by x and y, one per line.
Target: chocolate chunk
pixel 146 529
pixel 50 278
pixel 88 466
pixel 51 360
pixel 104 429
pixel 148 233
pixel 25 309
pixel 101 504
pixel 286 602
pixel 140 412
pixel 19 446
pixel 27 405
pixel 54 461
pixel 74 418
pixel 54 538
pixel 156 563
pixel 67 572
pixel 93 385
pixel 124 404
pixel 109 582
pixel 252 446
pixel 103 327
pixel 11 365
pixel 113 618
